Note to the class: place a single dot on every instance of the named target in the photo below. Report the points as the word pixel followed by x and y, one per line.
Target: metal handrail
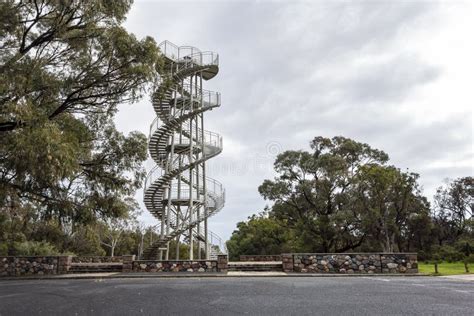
pixel 188 54
pixel 210 138
pixel 205 97
pixel 213 186
pixel 152 176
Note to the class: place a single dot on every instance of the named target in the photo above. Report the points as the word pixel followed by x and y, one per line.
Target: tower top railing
pixel 188 54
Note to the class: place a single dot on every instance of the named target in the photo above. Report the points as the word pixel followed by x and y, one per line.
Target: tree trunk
pixel 436 267
pixel 11 235
pixel 466 266
pixel 386 245
pixel 140 250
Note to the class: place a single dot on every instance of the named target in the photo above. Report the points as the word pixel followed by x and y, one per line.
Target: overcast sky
pixel 394 74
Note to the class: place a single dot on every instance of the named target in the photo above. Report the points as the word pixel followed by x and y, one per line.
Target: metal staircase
pixel 177 191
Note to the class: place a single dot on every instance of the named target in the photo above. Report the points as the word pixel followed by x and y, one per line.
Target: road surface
pixel 234 296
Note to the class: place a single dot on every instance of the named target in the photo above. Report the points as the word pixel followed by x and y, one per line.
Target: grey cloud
pixel 390 81
pixel 291 71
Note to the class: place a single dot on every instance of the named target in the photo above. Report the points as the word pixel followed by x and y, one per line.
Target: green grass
pixel 444 268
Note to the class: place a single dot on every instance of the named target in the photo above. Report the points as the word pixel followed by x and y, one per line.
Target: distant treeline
pixel 345 196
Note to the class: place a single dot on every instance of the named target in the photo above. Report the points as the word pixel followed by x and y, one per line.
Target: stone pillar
pixel 127 265
pixel 287 262
pixel 64 264
pixel 412 263
pixel 222 263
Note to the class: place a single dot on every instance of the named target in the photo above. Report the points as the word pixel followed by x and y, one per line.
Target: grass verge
pixel 444 268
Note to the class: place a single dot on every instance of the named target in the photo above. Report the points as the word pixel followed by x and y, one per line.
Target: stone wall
pixel 24 266
pixel 93 259
pixel 260 258
pixel 48 265
pixel 350 263
pixel 399 263
pixel 291 262
pixel 222 263
pixel 64 264
pixel 127 265
pixel 287 262
pixel 219 265
pixel 175 266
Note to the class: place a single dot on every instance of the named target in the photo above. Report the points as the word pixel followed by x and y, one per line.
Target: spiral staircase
pixel 177 191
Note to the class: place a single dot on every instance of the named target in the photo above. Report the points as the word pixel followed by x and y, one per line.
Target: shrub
pixel 449 254
pixel 35 248
pixel 3 249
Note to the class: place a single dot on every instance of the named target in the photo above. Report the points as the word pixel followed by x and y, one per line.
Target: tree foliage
pixel 314 192
pixel 65 66
pixel 454 208
pixel 390 205
pixel 344 196
pixel 69 57
pixel 261 235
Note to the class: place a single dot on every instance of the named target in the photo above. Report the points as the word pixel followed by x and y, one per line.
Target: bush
pixel 469 259
pixel 85 243
pixel 424 256
pixel 35 248
pixel 3 249
pixel 449 254
pixel 466 246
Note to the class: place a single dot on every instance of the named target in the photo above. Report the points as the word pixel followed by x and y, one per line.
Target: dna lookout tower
pixel 177 191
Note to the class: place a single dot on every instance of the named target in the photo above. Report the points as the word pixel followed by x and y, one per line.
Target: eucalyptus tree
pixel 454 209
pixel 65 66
pixel 391 207
pixel 314 192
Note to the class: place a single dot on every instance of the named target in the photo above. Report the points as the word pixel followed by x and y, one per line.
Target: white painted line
pixel 463 277
pixel 377 279
pixel 461 291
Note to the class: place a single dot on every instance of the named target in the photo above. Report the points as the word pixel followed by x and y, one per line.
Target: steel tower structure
pixel 177 191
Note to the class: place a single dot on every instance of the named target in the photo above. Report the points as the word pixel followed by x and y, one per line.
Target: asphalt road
pixel 228 296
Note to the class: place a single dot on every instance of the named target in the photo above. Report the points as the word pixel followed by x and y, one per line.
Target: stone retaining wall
pixel 399 263
pixel 47 265
pixel 350 263
pixel 219 265
pixel 23 266
pixel 297 262
pixel 222 263
pixel 259 258
pixel 175 266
